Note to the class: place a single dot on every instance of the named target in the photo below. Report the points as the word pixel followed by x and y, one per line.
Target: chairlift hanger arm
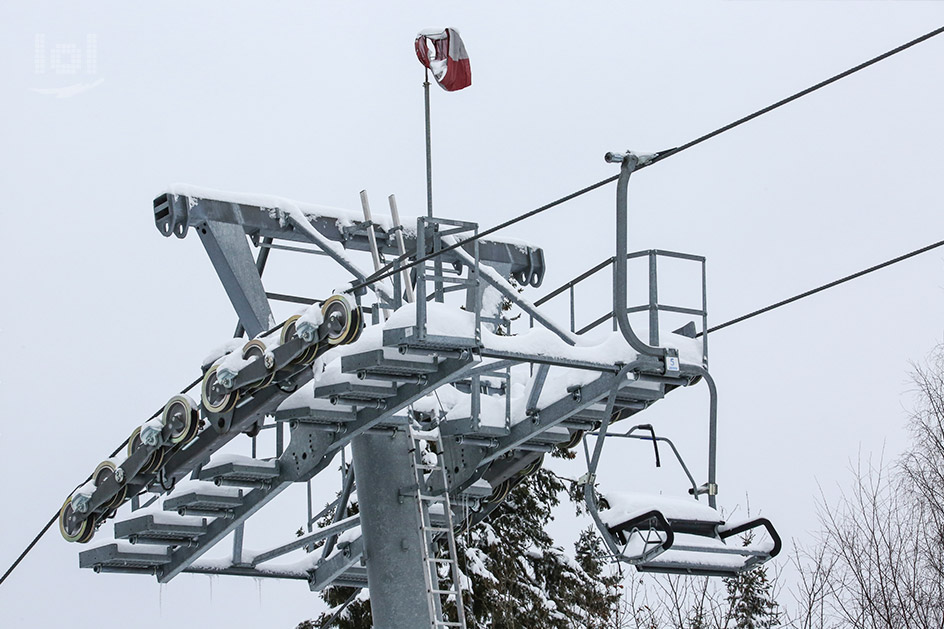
pixel 628 163
pixel 697 370
pixel 594 461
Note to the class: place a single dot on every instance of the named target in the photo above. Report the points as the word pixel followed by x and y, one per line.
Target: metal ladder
pixel 430 532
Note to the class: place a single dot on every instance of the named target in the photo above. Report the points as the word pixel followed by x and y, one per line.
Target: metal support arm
pixel 594 461
pixel 229 252
pixel 712 428
pixel 628 163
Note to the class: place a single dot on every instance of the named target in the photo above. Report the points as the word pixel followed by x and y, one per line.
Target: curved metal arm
pixel 712 427
pixel 588 491
pixel 629 161
pixel 724 533
pixel 608 414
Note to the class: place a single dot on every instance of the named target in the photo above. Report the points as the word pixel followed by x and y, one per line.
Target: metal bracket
pixel 710 489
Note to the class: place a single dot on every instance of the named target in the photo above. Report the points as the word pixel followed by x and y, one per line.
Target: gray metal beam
pixel 340 512
pixel 243 571
pixel 338 527
pixel 495 279
pixel 522 357
pixel 261 260
pixel 553 414
pixel 537 385
pixel 325 573
pixel 526 263
pixel 231 256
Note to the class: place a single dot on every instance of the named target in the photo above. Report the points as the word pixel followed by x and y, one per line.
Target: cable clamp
pixel 710 489
pixel 613 157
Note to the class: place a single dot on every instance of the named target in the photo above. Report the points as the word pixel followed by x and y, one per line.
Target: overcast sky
pixel 103 319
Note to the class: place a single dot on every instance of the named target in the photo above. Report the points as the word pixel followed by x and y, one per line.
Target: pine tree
pixel 515 571
pixel 751 599
pixel 355 616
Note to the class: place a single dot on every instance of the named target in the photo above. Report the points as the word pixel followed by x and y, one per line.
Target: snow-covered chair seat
pixel 678 536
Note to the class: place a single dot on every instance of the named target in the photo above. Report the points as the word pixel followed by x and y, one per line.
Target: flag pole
pixel 429 156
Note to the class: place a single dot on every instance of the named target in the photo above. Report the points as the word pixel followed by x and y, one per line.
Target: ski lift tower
pixel 444 406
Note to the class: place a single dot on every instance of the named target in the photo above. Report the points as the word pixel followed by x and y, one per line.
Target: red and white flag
pixel 444 54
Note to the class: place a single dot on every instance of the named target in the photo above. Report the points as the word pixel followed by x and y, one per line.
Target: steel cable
pixel 391 269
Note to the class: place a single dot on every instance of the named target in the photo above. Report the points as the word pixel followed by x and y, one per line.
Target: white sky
pixel 103 319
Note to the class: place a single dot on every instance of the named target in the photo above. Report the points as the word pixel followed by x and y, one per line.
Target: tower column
pixel 390 529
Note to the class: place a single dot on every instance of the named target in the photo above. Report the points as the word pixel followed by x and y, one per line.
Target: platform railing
pixel 652 305
pixel 430 233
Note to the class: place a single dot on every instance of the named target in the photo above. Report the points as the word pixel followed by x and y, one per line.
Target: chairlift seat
pixel 678 536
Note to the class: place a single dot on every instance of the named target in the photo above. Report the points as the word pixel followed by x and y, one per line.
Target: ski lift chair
pixel 654 533
pixel 677 535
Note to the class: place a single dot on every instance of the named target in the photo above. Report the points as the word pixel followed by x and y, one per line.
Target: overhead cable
pixel 391 269
pixel 820 289
pixel 55 516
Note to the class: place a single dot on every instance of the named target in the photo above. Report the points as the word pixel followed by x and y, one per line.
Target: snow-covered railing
pixel 652 306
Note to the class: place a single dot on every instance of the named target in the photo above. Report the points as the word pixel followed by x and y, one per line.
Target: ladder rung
pixel 427 528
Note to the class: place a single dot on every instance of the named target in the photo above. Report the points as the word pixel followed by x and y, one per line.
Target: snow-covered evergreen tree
pixel 515 571
pixel 751 600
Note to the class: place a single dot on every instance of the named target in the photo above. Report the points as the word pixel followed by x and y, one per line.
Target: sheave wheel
pixel 288 329
pixel 216 398
pixel 154 461
pixel 344 320
pixel 500 492
pixel 104 472
pixel 257 349
pixel 530 469
pixel 357 324
pixel 180 414
pixel 288 333
pixel 75 530
pixel 575 439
